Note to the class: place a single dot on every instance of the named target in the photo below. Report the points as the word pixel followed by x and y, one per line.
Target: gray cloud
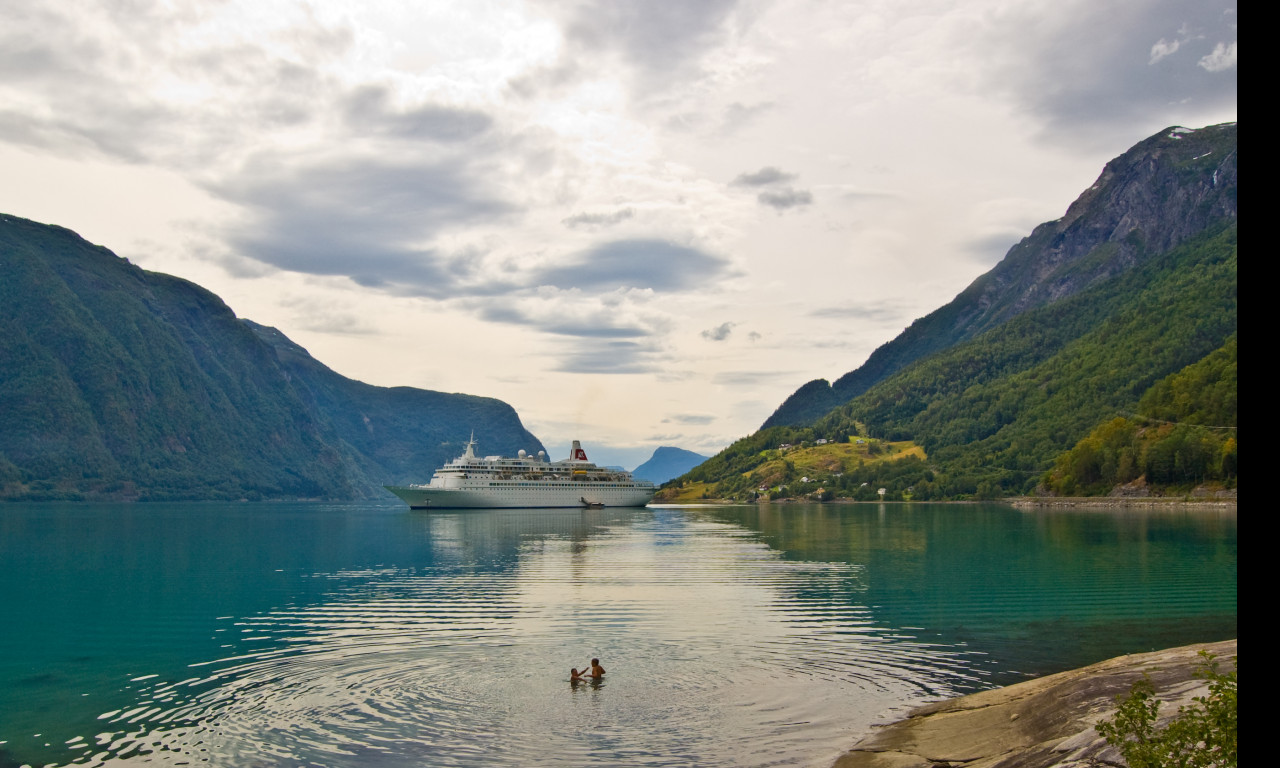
pixel 719 333
pixel 615 357
pixel 599 327
pixel 85 109
pixel 763 177
pixel 778 193
pixel 655 38
pixel 1091 70
pixel 881 312
pixel 587 330
pixel 783 199
pixel 738 115
pixel 655 264
pixel 358 217
pixel 95 66
pixel 369 206
pixel 656 43
pixel 593 221
pixel 750 378
pixel 368 111
pixel 500 313
pixel 590 345
pixel 689 418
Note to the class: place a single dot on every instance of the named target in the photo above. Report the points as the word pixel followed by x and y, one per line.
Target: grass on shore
pixel 819 463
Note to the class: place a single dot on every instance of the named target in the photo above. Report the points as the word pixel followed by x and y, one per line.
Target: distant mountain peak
pixel 668 462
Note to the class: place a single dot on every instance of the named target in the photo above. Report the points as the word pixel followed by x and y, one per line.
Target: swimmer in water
pixel 596 672
pixel 575 676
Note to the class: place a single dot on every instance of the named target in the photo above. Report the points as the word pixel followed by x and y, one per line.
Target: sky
pixel 639 223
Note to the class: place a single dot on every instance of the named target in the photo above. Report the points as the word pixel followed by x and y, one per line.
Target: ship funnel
pixel 578 454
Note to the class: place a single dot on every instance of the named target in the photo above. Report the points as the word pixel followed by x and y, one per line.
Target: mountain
pixel 1072 329
pixel 666 463
pixel 1157 195
pixel 1183 434
pixel 120 383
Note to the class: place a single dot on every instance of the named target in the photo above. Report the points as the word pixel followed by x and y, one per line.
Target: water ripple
pixel 721 651
pixel 454 669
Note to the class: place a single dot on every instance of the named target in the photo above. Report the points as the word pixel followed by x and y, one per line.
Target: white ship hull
pixel 472 482
pixel 498 495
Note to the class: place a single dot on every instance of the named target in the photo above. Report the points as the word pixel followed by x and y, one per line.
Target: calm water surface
pixel 367 635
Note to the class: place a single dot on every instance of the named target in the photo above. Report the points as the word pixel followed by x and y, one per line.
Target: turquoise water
pixel 354 635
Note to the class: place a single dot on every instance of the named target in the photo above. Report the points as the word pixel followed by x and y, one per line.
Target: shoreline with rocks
pixel 1019 502
pixel 1047 722
pixel 1115 502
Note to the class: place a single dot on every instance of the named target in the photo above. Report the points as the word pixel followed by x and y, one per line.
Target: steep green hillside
pixel 992 414
pixel 1182 436
pixel 398 434
pixel 122 383
pixel 1157 195
pixel 999 408
pixel 1078 322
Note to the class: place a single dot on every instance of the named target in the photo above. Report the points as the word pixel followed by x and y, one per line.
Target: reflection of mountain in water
pixel 1051 590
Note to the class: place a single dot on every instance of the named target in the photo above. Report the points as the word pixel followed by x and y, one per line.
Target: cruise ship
pixel 470 481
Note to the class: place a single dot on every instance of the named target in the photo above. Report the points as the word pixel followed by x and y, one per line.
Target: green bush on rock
pixel 1202 735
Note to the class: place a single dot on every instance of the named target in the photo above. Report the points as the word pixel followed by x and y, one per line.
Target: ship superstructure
pixel 471 481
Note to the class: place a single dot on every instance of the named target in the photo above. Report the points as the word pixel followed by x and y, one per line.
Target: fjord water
pixel 354 635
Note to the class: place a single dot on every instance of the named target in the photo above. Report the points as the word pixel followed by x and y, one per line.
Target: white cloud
pixel 1222 58
pixel 1163 48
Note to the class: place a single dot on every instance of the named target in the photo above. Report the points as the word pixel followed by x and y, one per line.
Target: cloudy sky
pixel 640 223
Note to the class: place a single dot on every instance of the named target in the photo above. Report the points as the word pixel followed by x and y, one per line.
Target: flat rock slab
pixel 1043 723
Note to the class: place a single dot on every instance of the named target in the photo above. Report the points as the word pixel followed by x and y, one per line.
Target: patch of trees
pixel 1182 436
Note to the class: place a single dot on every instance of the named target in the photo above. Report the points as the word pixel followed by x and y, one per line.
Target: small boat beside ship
pixel 472 481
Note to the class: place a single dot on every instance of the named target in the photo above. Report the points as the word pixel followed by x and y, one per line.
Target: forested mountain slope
pixel 122 383
pixel 1161 192
pixel 1183 434
pixel 999 408
pixel 1027 377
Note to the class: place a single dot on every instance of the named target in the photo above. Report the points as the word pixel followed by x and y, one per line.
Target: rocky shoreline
pixel 1116 502
pixel 1043 723
pixel 1021 502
